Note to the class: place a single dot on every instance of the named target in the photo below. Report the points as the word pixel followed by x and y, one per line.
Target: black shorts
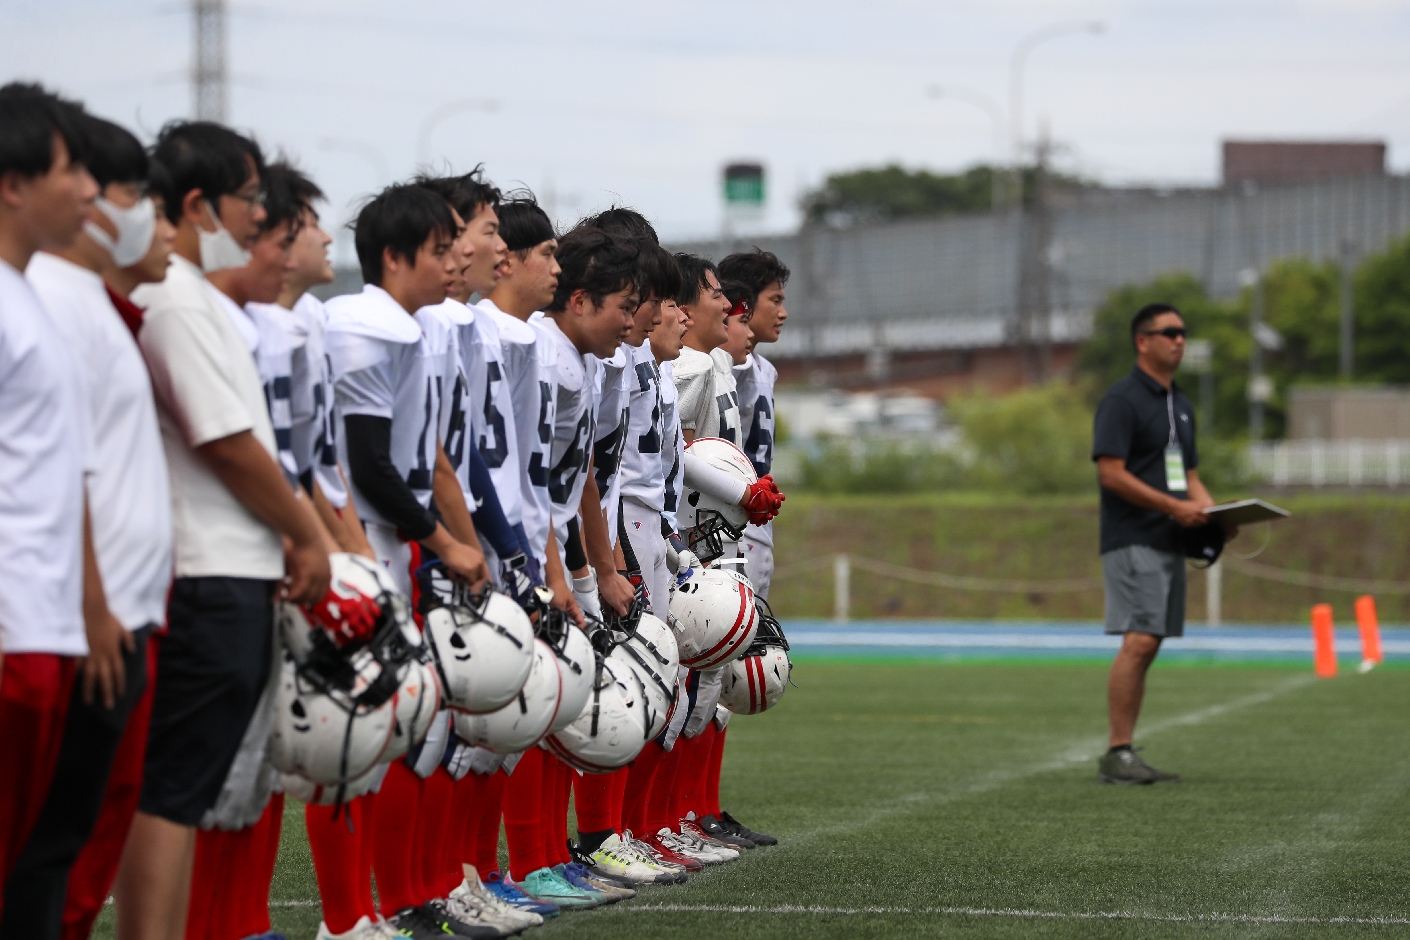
pixel 211 668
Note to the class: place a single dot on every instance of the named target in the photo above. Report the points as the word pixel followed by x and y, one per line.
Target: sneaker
pixel 412 922
pixel 690 827
pixel 508 892
pixel 615 860
pixel 739 829
pixel 716 830
pixel 474 891
pixel 578 876
pixel 469 909
pixel 645 855
pixel 685 845
pixel 1126 766
pixel 547 885
pixel 385 931
pixel 365 929
pixel 438 912
pixel 668 854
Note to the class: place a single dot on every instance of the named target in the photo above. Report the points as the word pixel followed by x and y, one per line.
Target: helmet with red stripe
pixel 707 521
pixel 713 617
pixel 757 680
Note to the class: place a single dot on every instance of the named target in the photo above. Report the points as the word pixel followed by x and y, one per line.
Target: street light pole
pixel 996 118
pixel 1016 64
pixel 423 136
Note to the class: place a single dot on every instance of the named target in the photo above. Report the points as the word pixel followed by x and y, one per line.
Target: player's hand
pixel 1188 514
pixel 616 592
pixel 307 572
pixel 762 500
pixel 102 669
pixel 468 562
pixel 563 599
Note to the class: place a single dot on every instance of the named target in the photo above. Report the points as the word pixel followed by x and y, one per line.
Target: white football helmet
pixel 361 600
pixel 713 617
pixel 483 650
pixel 757 680
pixel 316 794
pixel 705 520
pixel 332 728
pixel 652 653
pixel 612 728
pixel 528 716
pixel 417 701
pixel 577 662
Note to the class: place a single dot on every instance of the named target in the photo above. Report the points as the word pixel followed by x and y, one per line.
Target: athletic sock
pixel 460 837
pixel 523 814
pixel 1119 747
pixel 690 776
pixel 262 854
pixel 660 803
pixel 712 773
pixel 337 861
pixel 489 817
pixel 397 822
pixel 592 798
pixel 436 793
pixel 556 849
pixel 367 852
pixel 636 793
pixel 618 791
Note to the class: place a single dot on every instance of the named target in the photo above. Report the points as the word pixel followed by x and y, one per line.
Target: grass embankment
pixel 1056 538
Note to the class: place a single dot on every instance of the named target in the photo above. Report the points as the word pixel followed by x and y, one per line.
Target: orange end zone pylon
pixel 1324 652
pixel 1370 626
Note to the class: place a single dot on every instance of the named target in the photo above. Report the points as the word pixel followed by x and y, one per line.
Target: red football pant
pixel 230 882
pixel 342 860
pixel 397 811
pixel 661 804
pixel 556 802
pixel 524 810
pixel 34 700
pixel 485 821
pixel 93 872
pixel 636 790
pixel 597 799
pixel 437 792
pixel 712 777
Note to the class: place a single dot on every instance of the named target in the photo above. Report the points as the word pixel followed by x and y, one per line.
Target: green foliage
pixel 842 466
pixel 893 192
pixel 1382 299
pixel 1036 441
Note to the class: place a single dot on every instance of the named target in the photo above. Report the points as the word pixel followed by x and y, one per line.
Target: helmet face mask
pixel 757 680
pixel 708 536
pixel 481 642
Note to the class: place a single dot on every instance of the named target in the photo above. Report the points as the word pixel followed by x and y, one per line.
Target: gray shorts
pixel 1145 591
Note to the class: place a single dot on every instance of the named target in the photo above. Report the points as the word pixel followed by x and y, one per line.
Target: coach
pixel 1143 441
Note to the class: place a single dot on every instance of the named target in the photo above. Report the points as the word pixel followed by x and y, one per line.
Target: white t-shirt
pixel 709 403
pixel 207 388
pixel 529 367
pixel 576 381
pixel 46 447
pixel 616 380
pixel 383 367
pixel 755 381
pixel 492 408
pixel 643 477
pixel 129 500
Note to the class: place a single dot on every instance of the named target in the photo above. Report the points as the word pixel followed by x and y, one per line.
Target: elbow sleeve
pixel 369 442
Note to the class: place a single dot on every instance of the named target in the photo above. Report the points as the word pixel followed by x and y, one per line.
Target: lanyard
pixel 1170 410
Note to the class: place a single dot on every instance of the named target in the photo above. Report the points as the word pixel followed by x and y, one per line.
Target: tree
pixel 893 192
pixel 1382 302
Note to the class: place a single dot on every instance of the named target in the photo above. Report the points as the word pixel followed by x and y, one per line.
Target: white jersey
pixel 576 382
pixel 492 408
pixel 129 497
pixel 529 367
pixel 642 474
pixel 384 367
pixel 672 447
pixel 309 388
pixel 440 329
pixel 709 402
pixel 755 381
pixel 313 398
pixel 610 439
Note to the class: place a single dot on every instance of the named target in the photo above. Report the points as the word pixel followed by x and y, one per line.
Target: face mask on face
pixel 219 249
pixel 135 226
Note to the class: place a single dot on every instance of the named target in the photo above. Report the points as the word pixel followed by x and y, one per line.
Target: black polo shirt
pixel 1133 423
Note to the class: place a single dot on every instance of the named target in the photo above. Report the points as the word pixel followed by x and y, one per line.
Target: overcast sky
pixel 642 101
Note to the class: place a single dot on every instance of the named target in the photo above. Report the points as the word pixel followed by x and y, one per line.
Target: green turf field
pixel 918 800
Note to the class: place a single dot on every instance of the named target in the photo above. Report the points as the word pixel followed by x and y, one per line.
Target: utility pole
pixel 210 78
pixel 1035 274
pixel 1348 318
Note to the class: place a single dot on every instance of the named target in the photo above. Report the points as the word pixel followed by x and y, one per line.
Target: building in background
pixel 1282 161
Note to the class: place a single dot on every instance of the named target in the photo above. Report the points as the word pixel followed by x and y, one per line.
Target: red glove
pixel 762 500
pixel 348 619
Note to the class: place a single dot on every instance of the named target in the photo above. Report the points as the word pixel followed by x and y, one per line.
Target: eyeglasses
pixel 1170 332
pixel 253 201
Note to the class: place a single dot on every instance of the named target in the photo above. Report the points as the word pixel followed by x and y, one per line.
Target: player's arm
pixel 102 669
pixel 241 463
pixel 450 500
pixel 345 526
pixel 557 582
pixel 615 590
pixel 1113 476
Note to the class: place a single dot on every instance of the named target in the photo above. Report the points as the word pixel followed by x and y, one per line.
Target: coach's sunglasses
pixel 1170 332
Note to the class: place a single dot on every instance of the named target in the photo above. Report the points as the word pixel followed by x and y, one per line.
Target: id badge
pixel 1175 470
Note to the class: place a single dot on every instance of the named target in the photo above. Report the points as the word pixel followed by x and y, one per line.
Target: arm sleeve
pixel 376 477
pixel 1112 429
pixel 573 555
pixel 489 516
pixel 699 475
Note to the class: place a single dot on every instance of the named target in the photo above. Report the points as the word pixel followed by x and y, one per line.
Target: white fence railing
pixel 1331 463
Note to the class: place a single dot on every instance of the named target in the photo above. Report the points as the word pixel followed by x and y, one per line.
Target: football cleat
pixel 412 922
pixel 667 853
pixel 615 858
pixel 508 892
pixel 696 831
pixel 473 888
pixel 469 909
pixel 739 829
pixel 691 833
pixel 646 855
pixel 578 875
pixel 545 884
pixel 438 912
pixel 690 848
pixel 716 830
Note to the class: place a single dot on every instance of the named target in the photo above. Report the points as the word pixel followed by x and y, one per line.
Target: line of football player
pixel 489 538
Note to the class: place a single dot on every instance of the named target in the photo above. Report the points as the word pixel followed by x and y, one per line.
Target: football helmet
pixel 652 653
pixel 361 600
pixel 482 646
pixel 418 699
pixel 316 794
pixel 757 680
pixel 332 725
pixel 612 728
pixel 708 521
pixel 573 652
pixel 713 617
pixel 528 716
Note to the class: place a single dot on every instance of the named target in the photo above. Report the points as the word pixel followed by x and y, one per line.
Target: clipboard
pixel 1245 512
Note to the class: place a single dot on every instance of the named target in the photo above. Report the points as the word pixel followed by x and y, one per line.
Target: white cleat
pixel 365 929
pixel 472 892
pixel 617 859
pixel 685 845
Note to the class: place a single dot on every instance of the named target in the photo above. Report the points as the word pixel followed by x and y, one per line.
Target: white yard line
pixel 1014 912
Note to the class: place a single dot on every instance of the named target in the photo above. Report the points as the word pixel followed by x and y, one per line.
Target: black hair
pixel 693 269
pixel 595 262
pixel 660 275
pixel 114 154
pixel 400 217
pixel 206 156
pixel 288 194
pixel 758 269
pixel 30 116
pixel 1145 315
pixel 523 224
pixel 466 194
pixel 623 222
pixel 158 180
pixel 735 291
